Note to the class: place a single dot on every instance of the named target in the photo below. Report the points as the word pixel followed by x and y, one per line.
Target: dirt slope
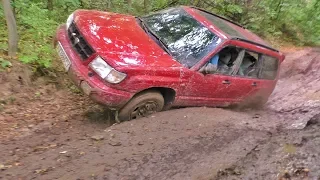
pixel 49 134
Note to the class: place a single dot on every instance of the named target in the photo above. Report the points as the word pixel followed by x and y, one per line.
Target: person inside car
pixel 220 62
pixel 248 66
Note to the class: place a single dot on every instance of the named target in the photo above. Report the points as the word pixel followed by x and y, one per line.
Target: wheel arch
pixel 168 94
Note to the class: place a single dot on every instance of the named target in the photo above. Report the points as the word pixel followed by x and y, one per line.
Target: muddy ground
pixel 52 132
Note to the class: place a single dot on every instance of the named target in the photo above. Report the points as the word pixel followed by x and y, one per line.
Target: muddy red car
pixel 181 56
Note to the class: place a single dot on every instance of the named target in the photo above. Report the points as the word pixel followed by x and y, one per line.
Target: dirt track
pixel 49 134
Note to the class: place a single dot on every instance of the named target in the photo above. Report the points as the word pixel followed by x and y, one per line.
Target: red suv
pixel 182 56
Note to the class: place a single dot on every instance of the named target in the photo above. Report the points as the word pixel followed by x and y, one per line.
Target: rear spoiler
pixel 255 43
pixel 203 10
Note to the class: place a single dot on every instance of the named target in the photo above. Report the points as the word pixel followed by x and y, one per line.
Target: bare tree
pixel 12 28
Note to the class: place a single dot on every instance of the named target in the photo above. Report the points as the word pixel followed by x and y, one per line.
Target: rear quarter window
pixel 269 67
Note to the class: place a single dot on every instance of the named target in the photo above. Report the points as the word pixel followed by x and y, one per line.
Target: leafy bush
pixel 4 63
pixel 38 29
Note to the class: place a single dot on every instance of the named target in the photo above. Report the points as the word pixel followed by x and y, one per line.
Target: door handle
pixel 226 82
pixel 254 84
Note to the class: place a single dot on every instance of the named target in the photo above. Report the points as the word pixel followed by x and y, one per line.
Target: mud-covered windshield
pixel 187 40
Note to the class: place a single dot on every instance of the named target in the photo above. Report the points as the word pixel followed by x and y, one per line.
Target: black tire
pixel 142 105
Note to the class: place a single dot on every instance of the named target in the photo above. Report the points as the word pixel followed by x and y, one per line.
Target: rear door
pixel 222 86
pixel 267 77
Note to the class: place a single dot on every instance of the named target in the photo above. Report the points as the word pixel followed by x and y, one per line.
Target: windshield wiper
pixel 149 31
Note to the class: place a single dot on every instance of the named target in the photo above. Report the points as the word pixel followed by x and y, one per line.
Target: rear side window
pixel 249 66
pixel 269 67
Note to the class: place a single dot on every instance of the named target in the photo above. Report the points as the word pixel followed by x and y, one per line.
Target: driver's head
pixel 225 56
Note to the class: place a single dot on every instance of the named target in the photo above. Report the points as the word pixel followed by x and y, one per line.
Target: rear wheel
pixel 142 105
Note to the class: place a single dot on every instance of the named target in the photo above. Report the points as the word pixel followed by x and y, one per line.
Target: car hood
pixel 120 40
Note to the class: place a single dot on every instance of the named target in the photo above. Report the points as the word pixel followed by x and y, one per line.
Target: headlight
pixel 106 72
pixel 100 67
pixel 69 20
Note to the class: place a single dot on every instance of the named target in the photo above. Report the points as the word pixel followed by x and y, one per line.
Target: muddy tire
pixel 142 105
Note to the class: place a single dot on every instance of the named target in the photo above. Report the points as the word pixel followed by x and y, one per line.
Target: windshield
pixel 187 40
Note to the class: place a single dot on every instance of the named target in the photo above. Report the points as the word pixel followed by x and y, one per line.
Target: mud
pixel 54 133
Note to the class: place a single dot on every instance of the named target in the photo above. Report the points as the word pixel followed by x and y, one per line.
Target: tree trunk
pixel 50 5
pixel 12 28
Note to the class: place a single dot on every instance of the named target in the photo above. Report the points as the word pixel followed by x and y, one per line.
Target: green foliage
pixel 297 21
pixel 4 63
pixel 3 32
pixel 38 28
pixel 293 20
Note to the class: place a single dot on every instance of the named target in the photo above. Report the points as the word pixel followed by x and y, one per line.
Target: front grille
pixel 79 43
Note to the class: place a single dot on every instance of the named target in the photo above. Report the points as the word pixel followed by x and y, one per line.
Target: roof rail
pixel 255 43
pixel 200 9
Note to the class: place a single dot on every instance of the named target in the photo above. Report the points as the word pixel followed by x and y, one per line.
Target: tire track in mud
pixel 199 157
pixel 175 144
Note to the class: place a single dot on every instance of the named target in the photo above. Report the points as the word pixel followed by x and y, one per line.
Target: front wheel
pixel 142 105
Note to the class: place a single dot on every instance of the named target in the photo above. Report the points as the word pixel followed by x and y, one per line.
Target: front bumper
pixel 90 85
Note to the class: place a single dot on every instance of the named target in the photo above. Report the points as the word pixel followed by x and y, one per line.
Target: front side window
pixel 225 62
pixel 187 40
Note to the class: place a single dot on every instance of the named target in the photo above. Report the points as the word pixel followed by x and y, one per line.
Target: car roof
pixel 232 29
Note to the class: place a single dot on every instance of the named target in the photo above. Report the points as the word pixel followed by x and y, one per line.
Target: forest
pixel 296 22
